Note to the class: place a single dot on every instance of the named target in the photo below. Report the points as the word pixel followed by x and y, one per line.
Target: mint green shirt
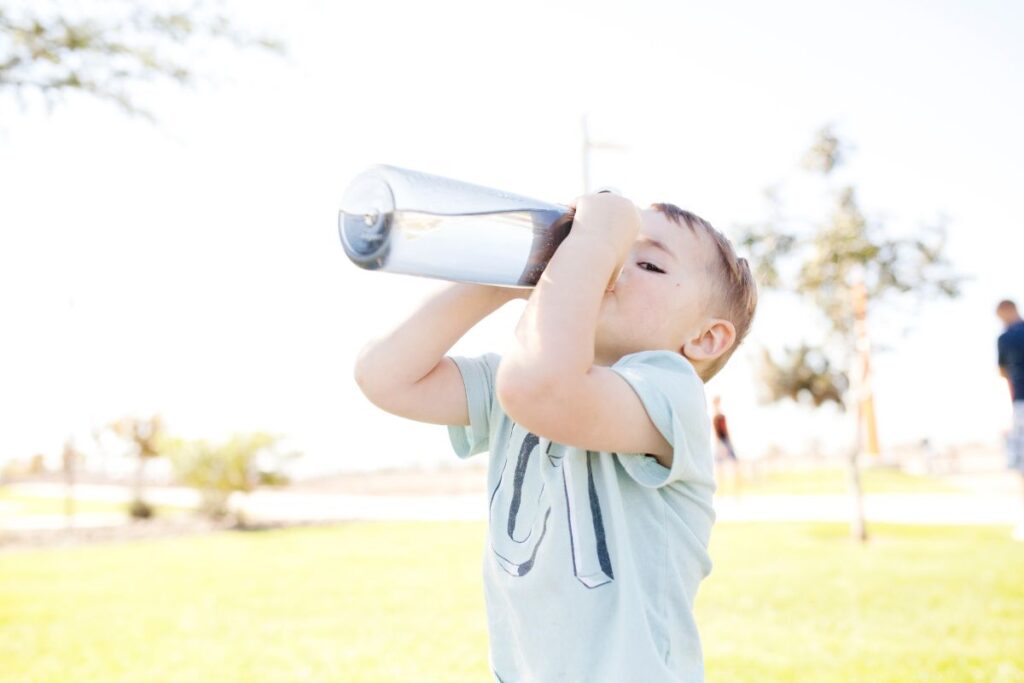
pixel 594 558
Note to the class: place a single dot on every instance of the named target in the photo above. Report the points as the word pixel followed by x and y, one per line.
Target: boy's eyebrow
pixel 658 245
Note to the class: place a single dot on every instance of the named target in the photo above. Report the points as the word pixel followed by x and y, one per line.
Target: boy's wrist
pixel 595 242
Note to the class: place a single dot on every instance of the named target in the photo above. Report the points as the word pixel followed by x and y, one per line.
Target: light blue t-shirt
pixel 594 558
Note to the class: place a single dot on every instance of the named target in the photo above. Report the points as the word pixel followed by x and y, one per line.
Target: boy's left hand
pixel 610 218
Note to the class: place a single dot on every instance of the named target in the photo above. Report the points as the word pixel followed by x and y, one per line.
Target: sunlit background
pixel 193 267
pixel 188 264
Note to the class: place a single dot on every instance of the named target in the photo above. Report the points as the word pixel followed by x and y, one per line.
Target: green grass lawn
pixel 827 480
pixel 402 602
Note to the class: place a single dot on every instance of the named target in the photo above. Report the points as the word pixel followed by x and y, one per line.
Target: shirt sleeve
pixel 478 378
pixel 1001 349
pixel 673 395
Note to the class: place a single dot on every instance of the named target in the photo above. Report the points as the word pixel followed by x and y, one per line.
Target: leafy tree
pixel 242 464
pixel 111 52
pixel 839 264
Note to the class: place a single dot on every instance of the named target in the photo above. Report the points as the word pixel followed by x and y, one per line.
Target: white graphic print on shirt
pixel 521 510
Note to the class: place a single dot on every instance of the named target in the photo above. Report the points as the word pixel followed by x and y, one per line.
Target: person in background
pixel 1011 366
pixel 725 454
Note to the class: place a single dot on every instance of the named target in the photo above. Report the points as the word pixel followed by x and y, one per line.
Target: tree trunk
pixel 241 518
pixel 140 477
pixel 69 486
pixel 858 525
pixel 861 394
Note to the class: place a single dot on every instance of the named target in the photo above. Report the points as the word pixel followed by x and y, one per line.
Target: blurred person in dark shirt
pixel 1011 366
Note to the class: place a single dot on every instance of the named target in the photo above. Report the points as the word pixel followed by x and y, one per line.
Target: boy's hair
pixel 1006 305
pixel 735 299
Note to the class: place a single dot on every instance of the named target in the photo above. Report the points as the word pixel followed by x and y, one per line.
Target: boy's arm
pixel 406 371
pixel 548 382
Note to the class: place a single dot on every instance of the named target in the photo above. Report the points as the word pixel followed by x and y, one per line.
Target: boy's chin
pixel 607 350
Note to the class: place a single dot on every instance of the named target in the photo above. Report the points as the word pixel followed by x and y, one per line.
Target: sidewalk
pixel 981 507
pixel 903 508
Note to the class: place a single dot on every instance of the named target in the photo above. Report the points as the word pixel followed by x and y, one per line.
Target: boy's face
pixel 649 310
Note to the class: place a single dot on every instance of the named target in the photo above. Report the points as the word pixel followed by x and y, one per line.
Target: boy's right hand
pixel 611 218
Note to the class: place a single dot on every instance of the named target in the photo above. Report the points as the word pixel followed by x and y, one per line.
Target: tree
pixel 71 460
pixel 243 463
pixel 148 441
pixel 839 265
pixel 110 53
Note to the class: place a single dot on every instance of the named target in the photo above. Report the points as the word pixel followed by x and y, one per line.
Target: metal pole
pixel 588 146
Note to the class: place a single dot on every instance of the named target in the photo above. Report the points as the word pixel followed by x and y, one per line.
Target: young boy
pixel 600 477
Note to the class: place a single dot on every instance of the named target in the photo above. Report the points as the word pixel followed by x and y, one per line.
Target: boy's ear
pixel 714 339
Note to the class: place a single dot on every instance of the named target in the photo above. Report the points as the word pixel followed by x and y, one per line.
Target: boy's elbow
pixel 524 396
pixel 511 385
pixel 523 409
pixel 360 372
pixel 364 381
pixel 511 399
pixel 378 394
pixel 366 378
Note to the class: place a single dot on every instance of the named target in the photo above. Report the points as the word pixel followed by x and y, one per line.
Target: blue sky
pixel 193 267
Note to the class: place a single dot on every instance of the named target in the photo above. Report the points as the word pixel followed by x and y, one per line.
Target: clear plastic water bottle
pixel 403 221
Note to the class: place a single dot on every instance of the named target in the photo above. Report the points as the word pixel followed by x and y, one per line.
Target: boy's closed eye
pixel 653 268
